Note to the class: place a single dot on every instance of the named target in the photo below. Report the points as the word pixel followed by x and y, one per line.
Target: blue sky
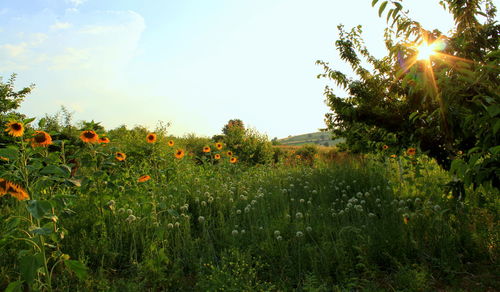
pixel 195 64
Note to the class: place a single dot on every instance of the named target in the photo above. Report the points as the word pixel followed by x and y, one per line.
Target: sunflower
pixel 411 151
pixel 217 156
pixel 41 139
pixel 120 156
pixel 297 156
pixel 171 143
pixel 385 147
pixel 151 138
pixel 218 145
pixel 206 149
pixel 3 187
pixel 104 140
pixel 233 160
pixel 89 136
pixel 394 156
pixel 15 129
pixel 179 153
pixel 229 153
pixel 143 178
pixel 16 191
pixel 406 219
pixel 4 158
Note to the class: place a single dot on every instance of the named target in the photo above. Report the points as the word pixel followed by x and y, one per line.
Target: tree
pixel 232 124
pixel 448 105
pixel 9 98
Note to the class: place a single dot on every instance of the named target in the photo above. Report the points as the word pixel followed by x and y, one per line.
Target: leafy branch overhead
pixel 435 91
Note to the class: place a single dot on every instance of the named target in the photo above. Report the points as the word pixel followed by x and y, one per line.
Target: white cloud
pixel 14 50
pixel 72 59
pixel 60 25
pixel 76 2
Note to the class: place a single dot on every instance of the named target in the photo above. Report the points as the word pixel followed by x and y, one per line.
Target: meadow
pixel 139 211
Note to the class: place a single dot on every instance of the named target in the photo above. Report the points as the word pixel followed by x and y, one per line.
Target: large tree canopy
pixel 445 102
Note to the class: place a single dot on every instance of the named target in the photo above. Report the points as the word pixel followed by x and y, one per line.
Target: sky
pixel 193 63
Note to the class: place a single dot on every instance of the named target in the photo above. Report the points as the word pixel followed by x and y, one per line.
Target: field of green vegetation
pixel 139 211
pixel 318 138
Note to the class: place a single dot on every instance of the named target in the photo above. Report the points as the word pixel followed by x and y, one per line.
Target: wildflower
pixel 411 151
pixel 242 231
pixel 144 178
pixel 385 147
pixel 279 238
pixel 130 212
pixel 4 158
pixel 151 138
pixel 238 211
pixel 309 229
pixel 130 218
pixel 234 232
pixel 16 191
pixel 120 156
pixel 299 215
pixel 177 224
pixel 179 154
pixel 171 143
pixel 170 226
pixel 394 156
pixel 406 218
pixel 206 149
pixel 233 160
pixel 218 145
pixel 41 139
pixel 103 140
pixel 217 156
pixel 276 233
pixel 299 234
pixel 15 129
pixel 89 136
pixel 229 153
pixel 297 156
pixel 201 219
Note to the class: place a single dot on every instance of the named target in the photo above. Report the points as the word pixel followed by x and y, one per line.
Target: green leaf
pixel 10 153
pixel 39 209
pixel 27 121
pixel 496 127
pixel 495 150
pixel 41 231
pixel 77 267
pixel 381 9
pixel 56 170
pixel 374 2
pixel 14 286
pixel 28 265
pixel 493 110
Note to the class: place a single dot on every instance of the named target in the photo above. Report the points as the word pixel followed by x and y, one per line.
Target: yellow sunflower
pixel 151 138
pixel 171 143
pixel 233 160
pixel 120 156
pixel 229 153
pixel 103 140
pixel 217 156
pixel 297 156
pixel 89 136
pixel 385 147
pixel 218 145
pixel 16 191
pixel 411 151
pixel 179 153
pixel 3 187
pixel 206 149
pixel 143 178
pixel 41 139
pixel 15 129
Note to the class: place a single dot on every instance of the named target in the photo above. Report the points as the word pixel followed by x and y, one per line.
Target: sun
pixel 425 51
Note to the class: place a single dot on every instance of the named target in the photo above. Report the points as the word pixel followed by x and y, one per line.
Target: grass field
pixel 156 220
pixel 318 138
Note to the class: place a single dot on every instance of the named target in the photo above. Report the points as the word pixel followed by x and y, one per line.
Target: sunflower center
pixel 89 135
pixel 17 126
pixel 40 138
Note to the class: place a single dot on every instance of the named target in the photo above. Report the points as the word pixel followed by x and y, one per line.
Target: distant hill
pixel 319 138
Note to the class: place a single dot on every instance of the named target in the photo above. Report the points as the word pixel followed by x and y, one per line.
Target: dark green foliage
pixel 446 106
